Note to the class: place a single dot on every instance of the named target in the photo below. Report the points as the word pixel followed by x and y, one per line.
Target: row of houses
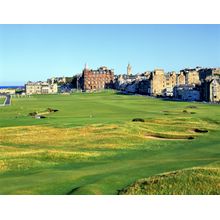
pixel 89 80
pixel 51 86
pixel 197 84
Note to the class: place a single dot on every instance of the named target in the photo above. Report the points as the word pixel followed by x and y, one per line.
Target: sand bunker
pixel 157 137
pixel 138 120
pixel 197 130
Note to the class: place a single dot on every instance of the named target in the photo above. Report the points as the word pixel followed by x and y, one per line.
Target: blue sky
pixel 37 52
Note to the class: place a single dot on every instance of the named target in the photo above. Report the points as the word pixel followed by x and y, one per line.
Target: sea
pixel 11 87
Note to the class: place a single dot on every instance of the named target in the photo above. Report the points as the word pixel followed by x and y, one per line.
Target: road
pixel 7 101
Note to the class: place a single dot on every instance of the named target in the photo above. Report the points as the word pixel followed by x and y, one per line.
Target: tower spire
pixel 129 69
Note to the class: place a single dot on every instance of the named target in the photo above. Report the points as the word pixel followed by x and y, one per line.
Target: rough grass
pixel 57 145
pixel 196 181
pixel 98 135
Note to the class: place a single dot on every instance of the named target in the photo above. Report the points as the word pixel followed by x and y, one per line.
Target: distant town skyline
pixel 38 52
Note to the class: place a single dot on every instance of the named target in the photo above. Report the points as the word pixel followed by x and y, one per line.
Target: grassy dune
pixel 91 145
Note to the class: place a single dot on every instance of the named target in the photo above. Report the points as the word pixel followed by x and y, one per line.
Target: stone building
pixel 216 72
pixel 170 80
pixel 99 79
pixel 157 82
pixel 189 84
pixel 144 87
pixel 191 76
pixel 211 89
pixel 180 79
pixel 205 73
pixel 40 88
pixel 187 92
pixel 127 83
pixel 163 84
pixel 59 80
pixel 214 90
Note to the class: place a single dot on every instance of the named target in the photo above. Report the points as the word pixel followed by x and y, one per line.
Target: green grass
pixel 2 100
pixel 91 145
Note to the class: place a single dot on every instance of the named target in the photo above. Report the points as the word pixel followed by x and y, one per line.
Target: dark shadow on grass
pixel 72 191
pixel 125 93
pixel 197 130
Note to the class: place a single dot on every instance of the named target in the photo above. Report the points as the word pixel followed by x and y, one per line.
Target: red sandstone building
pixel 99 79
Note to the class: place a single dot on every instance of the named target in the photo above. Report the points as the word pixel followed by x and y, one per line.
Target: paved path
pixel 7 100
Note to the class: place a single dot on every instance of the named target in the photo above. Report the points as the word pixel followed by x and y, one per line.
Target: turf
pixel 92 146
pixel 2 100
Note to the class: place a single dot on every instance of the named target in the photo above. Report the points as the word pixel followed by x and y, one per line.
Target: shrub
pixel 32 114
pixel 49 109
pixel 52 110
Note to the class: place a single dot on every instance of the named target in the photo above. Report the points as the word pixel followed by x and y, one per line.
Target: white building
pixel 7 91
pixel 40 88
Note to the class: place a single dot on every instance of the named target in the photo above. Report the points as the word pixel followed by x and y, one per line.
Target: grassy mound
pixel 197 181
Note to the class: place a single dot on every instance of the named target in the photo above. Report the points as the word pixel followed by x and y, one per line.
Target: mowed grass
pixel 91 145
